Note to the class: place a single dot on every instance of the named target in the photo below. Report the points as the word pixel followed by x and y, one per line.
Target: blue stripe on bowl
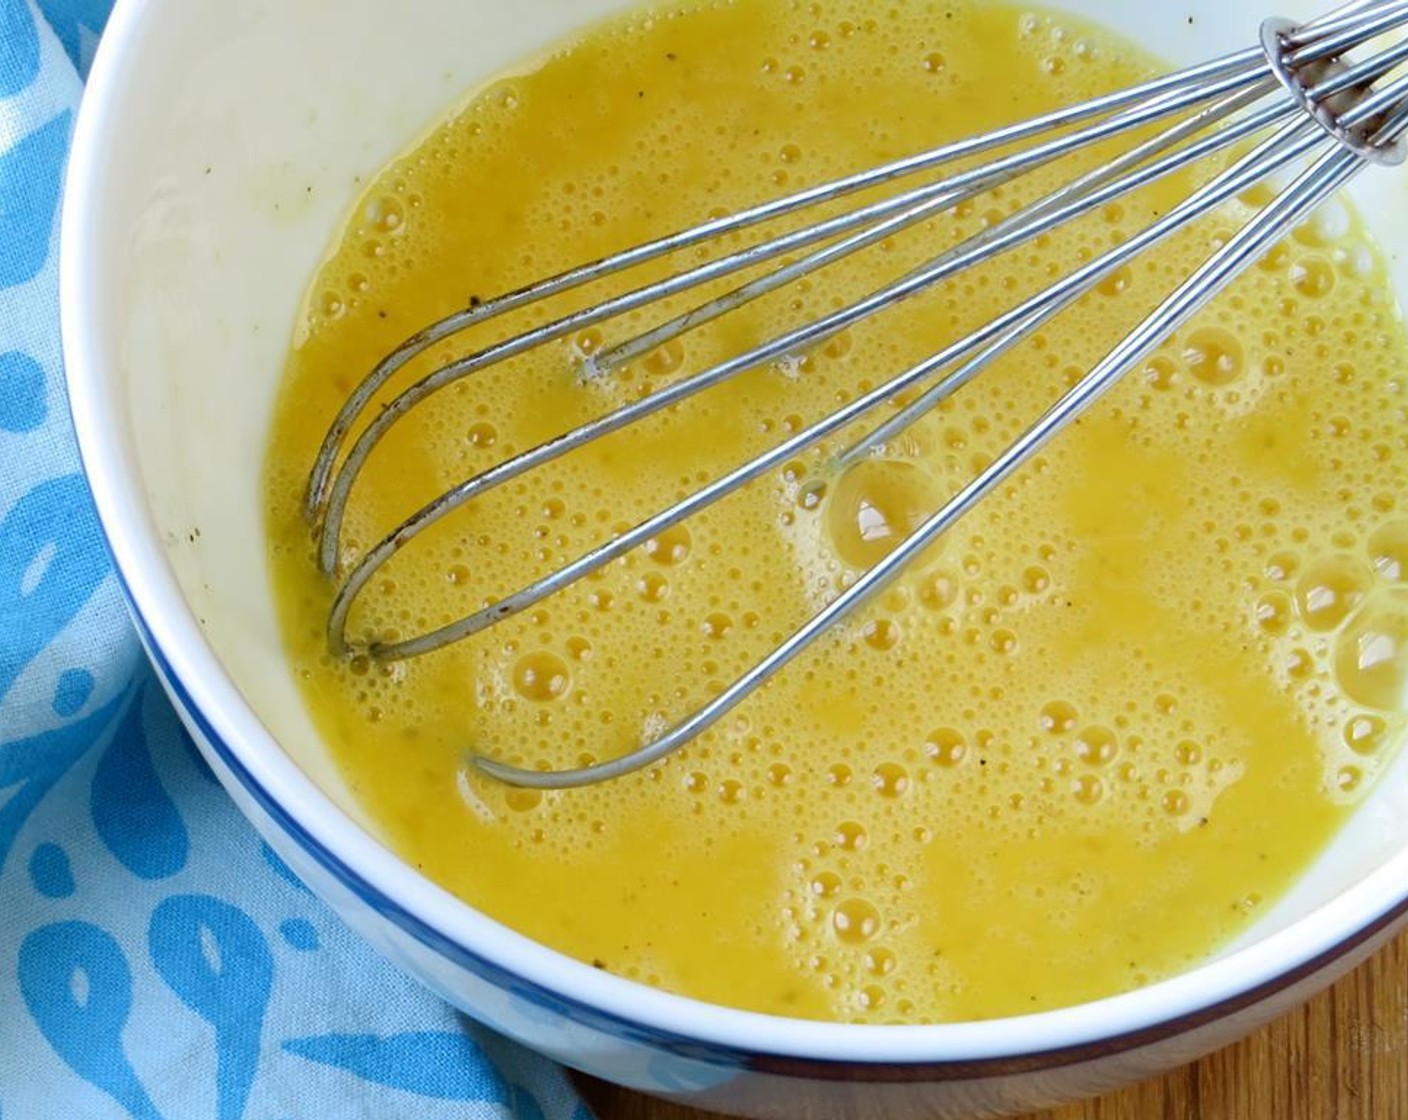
pixel 405 920
pixel 724 1057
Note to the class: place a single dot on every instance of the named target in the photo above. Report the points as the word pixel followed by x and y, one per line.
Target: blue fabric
pixel 156 959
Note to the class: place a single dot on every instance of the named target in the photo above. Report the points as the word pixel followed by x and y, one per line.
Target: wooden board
pixel 1343 1056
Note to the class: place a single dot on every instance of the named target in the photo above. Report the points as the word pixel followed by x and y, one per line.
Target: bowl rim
pixel 210 699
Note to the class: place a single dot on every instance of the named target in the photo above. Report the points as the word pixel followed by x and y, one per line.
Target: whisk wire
pixel 1201 111
pixel 1337 32
pixel 907 209
pixel 1043 216
pixel 1281 151
pixel 361 396
pixel 1111 173
pixel 960 188
pixel 320 480
pixel 1314 185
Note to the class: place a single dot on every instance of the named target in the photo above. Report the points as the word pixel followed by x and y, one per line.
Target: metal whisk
pixel 1310 115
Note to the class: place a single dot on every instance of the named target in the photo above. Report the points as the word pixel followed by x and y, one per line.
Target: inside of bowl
pixel 224 203
pixel 223 200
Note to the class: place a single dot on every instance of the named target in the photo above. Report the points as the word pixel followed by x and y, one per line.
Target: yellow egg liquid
pixel 1093 735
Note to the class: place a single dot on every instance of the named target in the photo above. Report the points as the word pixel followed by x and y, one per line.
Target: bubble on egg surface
pixel 946 746
pixel 1096 746
pixel 1313 277
pixel 855 921
pixel 1214 355
pixel 1275 612
pixel 1371 654
pixel 875 505
pixel 890 780
pixel 1388 551
pixel 1365 734
pixel 541 677
pixel 1329 590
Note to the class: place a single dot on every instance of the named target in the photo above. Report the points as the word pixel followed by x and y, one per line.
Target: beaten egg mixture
pixel 1089 738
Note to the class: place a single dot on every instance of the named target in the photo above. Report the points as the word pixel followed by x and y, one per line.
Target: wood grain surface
pixel 1343 1056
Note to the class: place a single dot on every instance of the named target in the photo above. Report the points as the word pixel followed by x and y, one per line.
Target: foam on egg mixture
pixel 1090 737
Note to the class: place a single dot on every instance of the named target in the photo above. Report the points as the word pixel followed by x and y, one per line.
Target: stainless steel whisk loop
pixel 1279 40
pixel 1309 113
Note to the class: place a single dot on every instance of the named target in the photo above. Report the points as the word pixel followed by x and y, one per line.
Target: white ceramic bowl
pixel 218 149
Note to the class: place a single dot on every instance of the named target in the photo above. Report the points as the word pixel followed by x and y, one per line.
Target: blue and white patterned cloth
pixel 156 960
